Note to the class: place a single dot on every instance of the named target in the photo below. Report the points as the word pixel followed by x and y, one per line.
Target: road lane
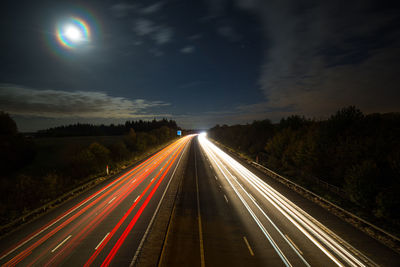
pixel 107 215
pixel 215 223
pixel 298 238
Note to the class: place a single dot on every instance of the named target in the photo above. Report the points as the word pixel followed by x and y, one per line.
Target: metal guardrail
pixel 90 182
pixel 48 206
pixel 374 231
pixel 280 177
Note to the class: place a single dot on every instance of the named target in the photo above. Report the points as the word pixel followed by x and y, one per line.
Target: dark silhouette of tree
pixel 358 153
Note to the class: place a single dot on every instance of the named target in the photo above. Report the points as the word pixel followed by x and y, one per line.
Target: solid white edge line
pixel 65 215
pixel 101 241
pixel 261 226
pixel 59 245
pixel 154 215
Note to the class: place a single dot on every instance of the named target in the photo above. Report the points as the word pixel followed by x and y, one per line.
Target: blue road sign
pixel 179 133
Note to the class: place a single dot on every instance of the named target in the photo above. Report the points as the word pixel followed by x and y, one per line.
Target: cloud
pixel 195 37
pixel 320 56
pixel 152 8
pixel 229 33
pixel 144 27
pixel 18 100
pixel 323 58
pixel 122 10
pixel 188 49
pixel 161 34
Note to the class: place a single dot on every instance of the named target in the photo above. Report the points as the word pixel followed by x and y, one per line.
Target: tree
pixel 119 151
pixel 130 140
pixel 101 155
pixel 361 183
pixel 7 125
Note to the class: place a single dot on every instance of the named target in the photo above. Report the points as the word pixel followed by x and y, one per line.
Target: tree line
pixel 356 152
pixel 82 129
pixel 27 182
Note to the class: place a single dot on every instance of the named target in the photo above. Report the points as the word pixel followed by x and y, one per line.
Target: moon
pixel 73 33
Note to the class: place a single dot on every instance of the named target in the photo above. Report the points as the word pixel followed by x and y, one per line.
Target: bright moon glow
pixel 73 33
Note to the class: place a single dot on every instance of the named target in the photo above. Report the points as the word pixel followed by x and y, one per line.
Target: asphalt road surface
pixel 101 227
pixel 225 214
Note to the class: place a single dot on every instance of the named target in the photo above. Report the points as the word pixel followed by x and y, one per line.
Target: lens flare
pixel 73 33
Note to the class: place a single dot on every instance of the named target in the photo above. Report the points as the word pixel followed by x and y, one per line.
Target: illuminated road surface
pixel 222 215
pixel 102 228
pixel 227 216
pixel 279 227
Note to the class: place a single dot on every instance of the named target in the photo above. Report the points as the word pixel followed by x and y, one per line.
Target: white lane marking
pixel 101 241
pixel 151 180
pixel 111 200
pixel 226 199
pixel 134 180
pixel 136 199
pixel 248 246
pixel 154 215
pixel 261 226
pixel 65 215
pixel 146 170
pixel 215 177
pixel 291 241
pixel 59 245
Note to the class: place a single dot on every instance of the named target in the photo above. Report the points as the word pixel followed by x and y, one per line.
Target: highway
pixel 102 227
pixel 227 216
pixel 223 213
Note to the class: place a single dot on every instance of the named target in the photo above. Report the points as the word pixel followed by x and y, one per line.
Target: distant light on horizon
pixel 203 134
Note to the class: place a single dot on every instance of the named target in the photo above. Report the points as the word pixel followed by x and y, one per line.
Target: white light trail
pixel 318 234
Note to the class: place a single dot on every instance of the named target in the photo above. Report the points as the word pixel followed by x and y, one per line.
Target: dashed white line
pixel 291 241
pixel 226 199
pixel 248 246
pixel 101 241
pixel 59 245
pixel 136 199
pixel 216 178
pixel 133 181
pixel 111 200
pixel 151 180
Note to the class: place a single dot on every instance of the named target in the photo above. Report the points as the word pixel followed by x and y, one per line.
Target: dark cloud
pixel 322 55
pixel 229 33
pixel 325 55
pixel 19 100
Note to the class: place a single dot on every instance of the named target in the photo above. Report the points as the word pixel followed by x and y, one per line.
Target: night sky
pixel 197 62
